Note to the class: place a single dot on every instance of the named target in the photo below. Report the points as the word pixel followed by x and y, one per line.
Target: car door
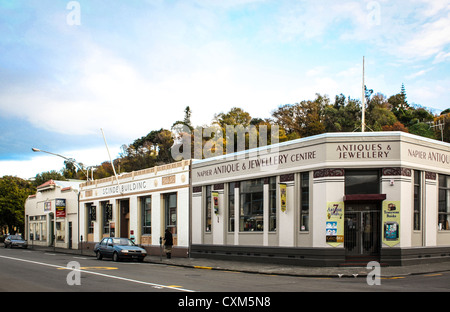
pixel 109 249
pixel 101 246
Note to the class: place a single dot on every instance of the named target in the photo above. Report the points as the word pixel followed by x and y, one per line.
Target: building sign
pixel 361 151
pixel 264 162
pixel 391 223
pixel 428 156
pixel 283 196
pixel 335 223
pixel 282 158
pixel 124 188
pixel 60 207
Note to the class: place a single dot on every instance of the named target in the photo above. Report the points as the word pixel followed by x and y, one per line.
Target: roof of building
pixel 74 184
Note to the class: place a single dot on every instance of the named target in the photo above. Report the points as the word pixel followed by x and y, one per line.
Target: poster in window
pixel 334 226
pixel 47 206
pixel 60 207
pixel 215 197
pixel 283 196
pixel 391 223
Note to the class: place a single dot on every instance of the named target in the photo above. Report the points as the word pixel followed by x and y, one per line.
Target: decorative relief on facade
pixel 287 177
pixel 397 171
pixel 197 189
pixel 430 175
pixel 168 180
pixel 336 172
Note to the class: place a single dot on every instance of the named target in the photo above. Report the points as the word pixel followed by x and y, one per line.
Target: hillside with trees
pixel 302 119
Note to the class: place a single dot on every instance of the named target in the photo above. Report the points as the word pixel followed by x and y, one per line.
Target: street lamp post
pixel 71 160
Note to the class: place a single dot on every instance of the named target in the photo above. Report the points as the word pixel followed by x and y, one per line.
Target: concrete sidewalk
pixel 277 269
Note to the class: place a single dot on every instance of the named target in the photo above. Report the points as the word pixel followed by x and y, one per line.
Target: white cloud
pixel 429 41
pixel 42 162
pixel 418 74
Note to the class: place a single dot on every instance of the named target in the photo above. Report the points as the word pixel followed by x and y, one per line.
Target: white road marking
pixel 100 274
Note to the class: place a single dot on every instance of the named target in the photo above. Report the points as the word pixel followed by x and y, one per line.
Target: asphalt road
pixel 38 271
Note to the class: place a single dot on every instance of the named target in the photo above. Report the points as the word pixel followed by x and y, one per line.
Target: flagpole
pixel 112 164
pixel 363 119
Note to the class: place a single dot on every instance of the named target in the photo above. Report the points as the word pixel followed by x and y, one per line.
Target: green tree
pixel 343 116
pixel 13 193
pixel 236 116
pixel 379 114
pixel 43 177
pixel 302 119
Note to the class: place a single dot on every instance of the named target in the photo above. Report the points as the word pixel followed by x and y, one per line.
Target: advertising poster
pixel 335 223
pixel 215 196
pixel 60 207
pixel 391 223
pixel 283 197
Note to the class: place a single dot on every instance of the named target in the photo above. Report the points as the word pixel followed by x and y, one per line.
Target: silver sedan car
pixel 15 241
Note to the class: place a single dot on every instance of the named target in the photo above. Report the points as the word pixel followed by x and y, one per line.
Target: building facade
pixel 331 199
pixel 51 215
pixel 139 205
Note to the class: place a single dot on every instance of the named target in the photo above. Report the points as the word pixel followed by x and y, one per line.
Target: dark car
pixel 118 249
pixel 15 241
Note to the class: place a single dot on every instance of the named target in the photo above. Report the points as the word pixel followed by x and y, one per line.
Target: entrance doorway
pixel 362 233
pixel 70 235
pixel 124 218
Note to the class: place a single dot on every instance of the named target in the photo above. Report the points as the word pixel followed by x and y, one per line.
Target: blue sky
pixel 130 67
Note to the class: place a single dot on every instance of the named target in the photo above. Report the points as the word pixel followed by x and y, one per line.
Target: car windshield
pixel 16 237
pixel 122 242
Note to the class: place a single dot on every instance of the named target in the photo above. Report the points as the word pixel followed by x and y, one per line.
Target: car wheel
pixel 99 255
pixel 116 257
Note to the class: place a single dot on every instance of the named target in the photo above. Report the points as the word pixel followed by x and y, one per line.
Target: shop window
pixel 91 217
pixel 444 202
pixel 251 205
pixel 43 227
pixel 146 208
pixel 208 209
pixel 60 231
pixel 107 215
pixel 231 187
pixel 417 200
pixel 170 202
pixel 304 201
pixel 272 204
pixel 32 231
pixel 38 228
pixel 362 182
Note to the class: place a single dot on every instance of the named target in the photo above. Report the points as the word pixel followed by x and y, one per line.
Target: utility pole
pixel 440 125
